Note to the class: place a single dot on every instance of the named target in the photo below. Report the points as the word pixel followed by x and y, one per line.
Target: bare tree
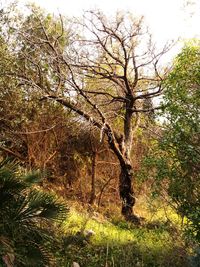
pixel 103 73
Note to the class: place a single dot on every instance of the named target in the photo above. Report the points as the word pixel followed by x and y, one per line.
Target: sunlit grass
pixel 119 243
pixel 121 233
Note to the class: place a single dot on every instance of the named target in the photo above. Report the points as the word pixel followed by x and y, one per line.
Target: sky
pixel 167 19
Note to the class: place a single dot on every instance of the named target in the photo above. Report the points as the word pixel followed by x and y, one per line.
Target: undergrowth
pixel 93 241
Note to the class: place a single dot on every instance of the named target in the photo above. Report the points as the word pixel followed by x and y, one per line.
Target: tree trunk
pixel 93 178
pixel 127 194
pixel 126 191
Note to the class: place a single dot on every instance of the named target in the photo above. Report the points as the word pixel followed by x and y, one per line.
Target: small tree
pixel 101 69
pixel 182 138
pixel 177 156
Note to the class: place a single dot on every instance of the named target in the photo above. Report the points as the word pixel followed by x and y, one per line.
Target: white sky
pixel 167 19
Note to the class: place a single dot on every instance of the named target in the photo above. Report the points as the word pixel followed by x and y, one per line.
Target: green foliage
pixel 175 159
pixel 182 139
pixel 27 219
pixel 120 244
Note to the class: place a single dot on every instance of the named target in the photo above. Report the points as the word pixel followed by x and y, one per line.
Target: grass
pixel 117 243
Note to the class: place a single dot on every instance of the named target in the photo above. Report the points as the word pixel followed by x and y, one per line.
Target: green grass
pixel 120 244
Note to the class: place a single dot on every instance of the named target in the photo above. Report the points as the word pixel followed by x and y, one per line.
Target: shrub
pixel 28 219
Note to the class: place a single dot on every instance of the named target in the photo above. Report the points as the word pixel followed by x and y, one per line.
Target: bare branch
pixel 67 104
pixel 146 110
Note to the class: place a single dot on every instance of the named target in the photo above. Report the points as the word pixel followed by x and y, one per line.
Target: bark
pixel 126 190
pixel 127 193
pixel 93 178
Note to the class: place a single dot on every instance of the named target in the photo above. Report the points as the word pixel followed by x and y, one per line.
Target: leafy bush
pixel 28 217
pixel 175 160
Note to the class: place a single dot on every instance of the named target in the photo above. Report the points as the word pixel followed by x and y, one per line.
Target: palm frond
pixel 33 177
pixel 27 216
